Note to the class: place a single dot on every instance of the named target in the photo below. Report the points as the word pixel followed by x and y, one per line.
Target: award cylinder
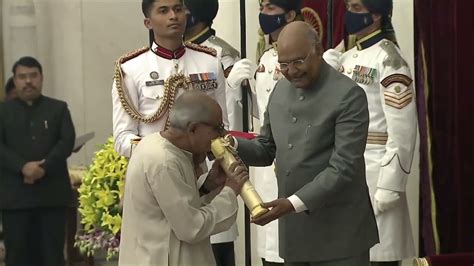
pixel 221 150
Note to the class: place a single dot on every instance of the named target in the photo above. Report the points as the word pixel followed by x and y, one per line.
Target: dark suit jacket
pixel 318 137
pixel 32 133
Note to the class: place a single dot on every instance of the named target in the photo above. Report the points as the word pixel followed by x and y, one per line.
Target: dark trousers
pixel 361 260
pixel 34 237
pixel 384 263
pixel 269 263
pixel 224 254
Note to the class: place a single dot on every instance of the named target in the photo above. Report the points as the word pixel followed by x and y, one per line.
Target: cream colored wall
pixel 77 42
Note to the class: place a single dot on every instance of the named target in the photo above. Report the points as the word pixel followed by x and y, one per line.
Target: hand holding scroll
pixel 278 208
pixel 238 177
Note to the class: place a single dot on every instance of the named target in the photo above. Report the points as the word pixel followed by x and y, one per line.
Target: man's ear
pixel 192 127
pixel 147 23
pixel 319 49
pixel 290 16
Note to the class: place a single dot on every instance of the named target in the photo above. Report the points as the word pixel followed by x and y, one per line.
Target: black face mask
pixel 270 23
pixel 191 21
pixel 356 22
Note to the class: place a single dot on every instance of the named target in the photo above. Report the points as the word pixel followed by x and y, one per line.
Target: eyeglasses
pixel 218 128
pixel 295 63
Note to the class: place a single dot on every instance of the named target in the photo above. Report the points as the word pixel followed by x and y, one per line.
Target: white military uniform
pixel 377 66
pixel 265 182
pixel 228 56
pixel 141 76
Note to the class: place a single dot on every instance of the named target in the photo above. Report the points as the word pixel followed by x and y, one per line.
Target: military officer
pixel 274 15
pixel 200 15
pixel 199 30
pixel 376 64
pixel 148 80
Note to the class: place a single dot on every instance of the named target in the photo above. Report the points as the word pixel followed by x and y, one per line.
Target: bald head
pixel 298 34
pixel 300 54
pixel 194 106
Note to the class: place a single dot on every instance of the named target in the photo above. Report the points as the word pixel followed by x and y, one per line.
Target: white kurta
pixel 146 92
pixel 165 221
pixel 384 75
pixel 264 179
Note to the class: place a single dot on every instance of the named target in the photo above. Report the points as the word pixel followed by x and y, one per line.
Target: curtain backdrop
pixel 446 109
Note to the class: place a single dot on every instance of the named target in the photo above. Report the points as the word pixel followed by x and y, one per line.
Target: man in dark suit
pixel 316 127
pixel 36 137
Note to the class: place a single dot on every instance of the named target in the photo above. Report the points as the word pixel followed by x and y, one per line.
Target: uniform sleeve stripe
pixel 398 104
pixel 408 98
pixel 396 78
pixel 377 138
pixel 377 134
pixel 398 101
pixel 395 96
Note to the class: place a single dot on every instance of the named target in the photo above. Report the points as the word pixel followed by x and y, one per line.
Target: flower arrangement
pixel 99 202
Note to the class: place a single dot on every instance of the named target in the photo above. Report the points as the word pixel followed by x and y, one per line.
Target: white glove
pixel 385 199
pixel 243 69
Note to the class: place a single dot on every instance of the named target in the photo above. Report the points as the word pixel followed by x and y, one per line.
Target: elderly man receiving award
pixel 165 219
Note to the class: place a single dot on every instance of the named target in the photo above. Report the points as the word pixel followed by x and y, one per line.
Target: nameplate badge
pixel 151 83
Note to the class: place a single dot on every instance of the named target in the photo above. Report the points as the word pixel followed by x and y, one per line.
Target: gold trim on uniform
pixel 172 84
pixel 396 100
pixel 377 138
pixel 201 48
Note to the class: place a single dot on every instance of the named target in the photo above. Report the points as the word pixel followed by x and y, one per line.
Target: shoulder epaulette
pixel 227 49
pixel 202 48
pixel 394 58
pixel 130 55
